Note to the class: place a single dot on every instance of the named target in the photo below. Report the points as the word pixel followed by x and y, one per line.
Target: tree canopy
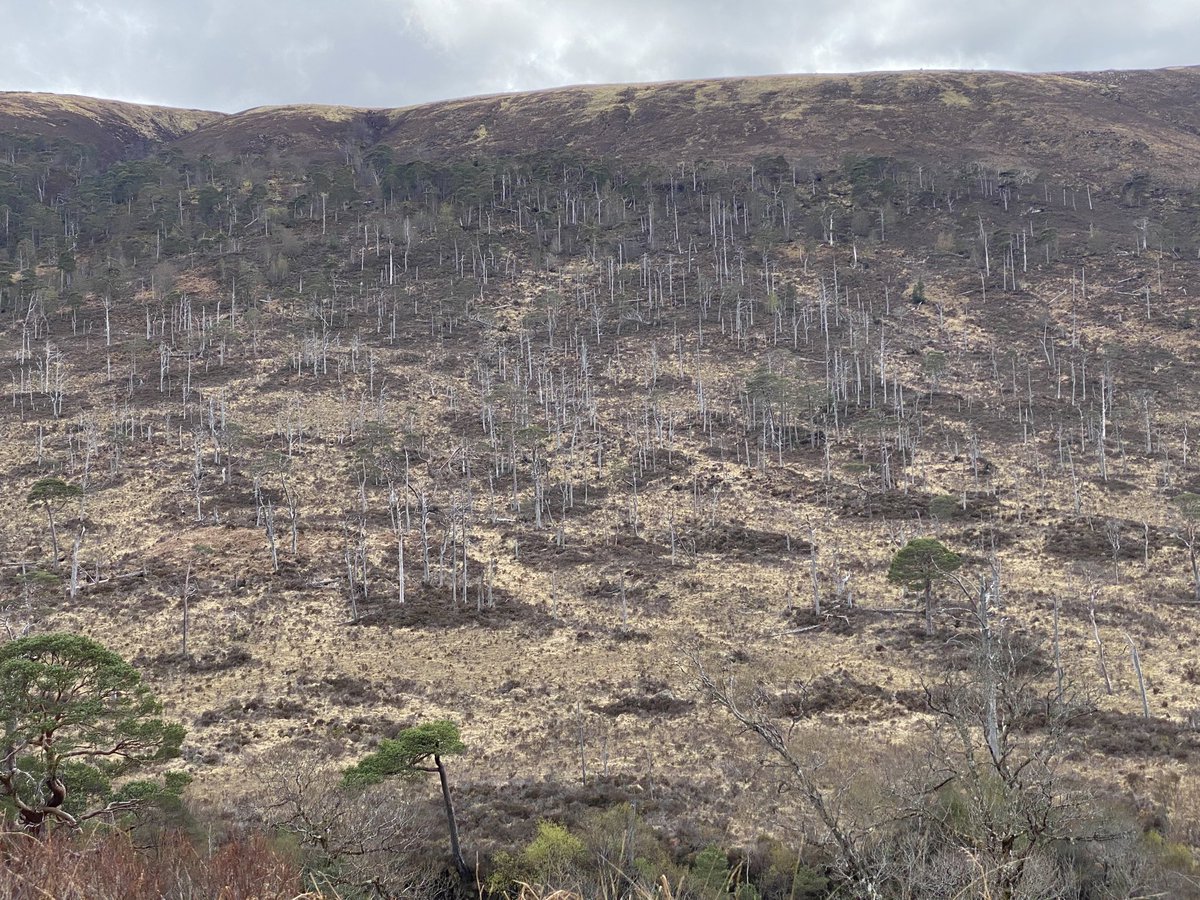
pixel 918 564
pixel 1188 505
pixel 53 490
pixel 73 714
pixel 922 560
pixel 407 753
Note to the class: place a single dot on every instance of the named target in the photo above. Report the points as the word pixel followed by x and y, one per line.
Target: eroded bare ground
pixel 620 410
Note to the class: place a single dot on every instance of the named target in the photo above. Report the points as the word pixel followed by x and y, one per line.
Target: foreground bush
pixel 109 867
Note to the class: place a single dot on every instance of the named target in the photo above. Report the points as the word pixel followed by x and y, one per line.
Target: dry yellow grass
pixel 464 672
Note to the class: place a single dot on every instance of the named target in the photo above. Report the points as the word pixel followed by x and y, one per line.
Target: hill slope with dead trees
pixel 650 434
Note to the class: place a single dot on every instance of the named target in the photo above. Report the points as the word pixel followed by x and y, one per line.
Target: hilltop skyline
pixel 387 53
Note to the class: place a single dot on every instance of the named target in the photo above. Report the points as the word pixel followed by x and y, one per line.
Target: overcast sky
pixel 233 54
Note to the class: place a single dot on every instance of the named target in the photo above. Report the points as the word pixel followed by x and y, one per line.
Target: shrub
pixel 552 859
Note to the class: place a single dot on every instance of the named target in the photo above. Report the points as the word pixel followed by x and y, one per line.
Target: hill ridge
pixel 1083 124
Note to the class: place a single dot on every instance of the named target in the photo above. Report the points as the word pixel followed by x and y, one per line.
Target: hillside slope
pixel 509 410
pixel 114 129
pixel 1067 124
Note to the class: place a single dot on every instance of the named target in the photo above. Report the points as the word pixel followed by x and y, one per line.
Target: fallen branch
pixel 798 630
pixel 124 576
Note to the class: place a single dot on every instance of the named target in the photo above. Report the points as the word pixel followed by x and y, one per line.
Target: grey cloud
pixel 229 55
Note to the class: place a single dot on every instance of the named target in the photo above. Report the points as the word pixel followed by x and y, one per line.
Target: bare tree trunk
pixel 271 538
pixel 400 565
pixel 1136 658
pixel 1195 560
pixel 293 513
pixel 1058 667
pixel 187 591
pixel 929 606
pixel 1099 644
pixel 991 724
pixel 451 820
pixel 812 559
pixel 582 744
pixel 75 562
pixel 53 533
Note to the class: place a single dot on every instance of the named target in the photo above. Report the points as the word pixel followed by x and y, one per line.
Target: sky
pixel 229 55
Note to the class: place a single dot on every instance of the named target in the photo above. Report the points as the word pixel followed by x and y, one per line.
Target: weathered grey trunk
pixel 991 721
pixel 1195 571
pixel 1136 658
pixel 451 821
